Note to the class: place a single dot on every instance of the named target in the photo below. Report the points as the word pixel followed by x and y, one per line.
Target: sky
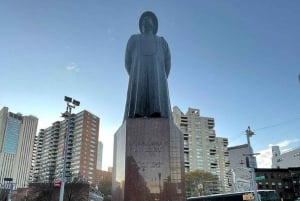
pixel 236 61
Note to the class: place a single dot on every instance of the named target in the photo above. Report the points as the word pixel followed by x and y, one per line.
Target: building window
pixel 279 185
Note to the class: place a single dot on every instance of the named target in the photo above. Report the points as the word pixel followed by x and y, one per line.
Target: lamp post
pixel 71 104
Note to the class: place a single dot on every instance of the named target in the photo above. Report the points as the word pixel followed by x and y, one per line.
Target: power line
pixel 236 137
pixel 278 124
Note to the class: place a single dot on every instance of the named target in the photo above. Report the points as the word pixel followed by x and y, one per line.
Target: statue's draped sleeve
pixel 128 54
pixel 167 56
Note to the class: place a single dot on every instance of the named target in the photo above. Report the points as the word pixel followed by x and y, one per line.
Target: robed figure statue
pixel 148 63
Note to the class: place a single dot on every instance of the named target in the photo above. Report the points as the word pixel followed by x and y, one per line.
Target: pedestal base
pixel 148 161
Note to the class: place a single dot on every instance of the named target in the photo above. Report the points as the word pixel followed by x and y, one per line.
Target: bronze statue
pixel 148 64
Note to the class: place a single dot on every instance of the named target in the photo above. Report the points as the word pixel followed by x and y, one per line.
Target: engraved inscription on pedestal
pixel 148 146
pixel 153 162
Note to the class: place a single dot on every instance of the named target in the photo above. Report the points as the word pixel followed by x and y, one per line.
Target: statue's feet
pixel 137 116
pixel 155 114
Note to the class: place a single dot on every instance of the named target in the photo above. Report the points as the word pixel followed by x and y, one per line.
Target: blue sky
pixel 236 61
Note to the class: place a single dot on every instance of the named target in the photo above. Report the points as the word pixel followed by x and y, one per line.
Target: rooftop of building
pixel 238 147
pixel 293 150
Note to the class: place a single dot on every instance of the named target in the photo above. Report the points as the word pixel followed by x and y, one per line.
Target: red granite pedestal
pixel 148 161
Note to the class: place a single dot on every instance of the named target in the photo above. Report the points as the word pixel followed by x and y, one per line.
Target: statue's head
pixel 148 20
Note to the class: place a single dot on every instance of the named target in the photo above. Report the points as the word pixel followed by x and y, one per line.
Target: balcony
pixel 212 151
pixel 213 165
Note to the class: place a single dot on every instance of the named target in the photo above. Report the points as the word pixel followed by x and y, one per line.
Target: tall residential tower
pixel 202 149
pixel 17 134
pixel 81 152
pixel 99 158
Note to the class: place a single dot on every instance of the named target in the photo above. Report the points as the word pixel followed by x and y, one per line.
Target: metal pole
pixel 63 179
pixel 249 134
pixel 233 180
pixel 9 191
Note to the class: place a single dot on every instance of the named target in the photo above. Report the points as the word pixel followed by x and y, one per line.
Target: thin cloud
pixel 264 159
pixel 72 67
pixel 111 32
pixel 285 143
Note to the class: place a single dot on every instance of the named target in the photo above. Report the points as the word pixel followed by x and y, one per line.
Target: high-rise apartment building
pixel 202 149
pixel 17 134
pixel 99 155
pixel 82 149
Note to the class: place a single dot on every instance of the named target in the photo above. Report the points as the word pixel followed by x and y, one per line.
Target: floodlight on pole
pixel 71 103
pixel 76 102
pixel 68 99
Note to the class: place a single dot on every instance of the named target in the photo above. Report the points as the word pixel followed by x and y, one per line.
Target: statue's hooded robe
pixel 148 64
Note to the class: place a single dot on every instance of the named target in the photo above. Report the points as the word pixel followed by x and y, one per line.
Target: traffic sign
pixel 261 178
pixel 57 183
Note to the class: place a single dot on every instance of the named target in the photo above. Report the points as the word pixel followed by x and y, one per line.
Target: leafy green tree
pixel 199 182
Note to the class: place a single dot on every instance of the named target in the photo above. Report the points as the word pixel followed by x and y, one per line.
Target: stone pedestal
pixel 148 161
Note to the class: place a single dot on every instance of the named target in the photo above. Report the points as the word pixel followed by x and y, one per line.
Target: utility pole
pixel 250 156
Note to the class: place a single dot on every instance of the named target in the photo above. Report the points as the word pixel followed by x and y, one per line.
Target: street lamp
pixel 71 103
